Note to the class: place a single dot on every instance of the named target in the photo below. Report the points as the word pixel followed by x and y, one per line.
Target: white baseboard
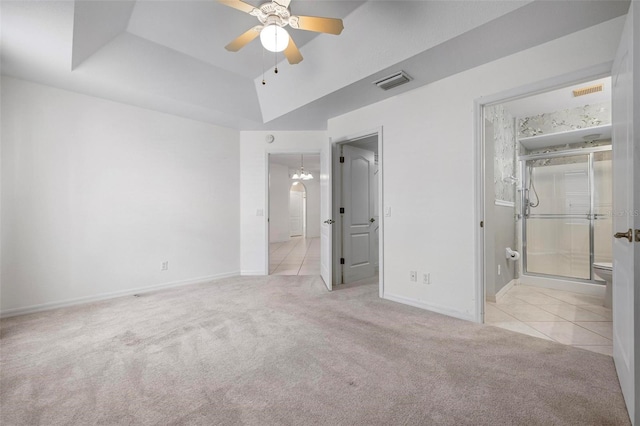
pixel 105 296
pixel 503 291
pixel 252 273
pixel 429 307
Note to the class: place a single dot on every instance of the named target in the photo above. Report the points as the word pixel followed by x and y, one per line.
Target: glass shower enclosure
pixel 566 210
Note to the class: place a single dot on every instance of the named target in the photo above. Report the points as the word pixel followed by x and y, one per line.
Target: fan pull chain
pixel 275 56
pixel 263 82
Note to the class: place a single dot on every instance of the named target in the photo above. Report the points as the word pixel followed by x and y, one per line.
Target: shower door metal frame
pixel 591 216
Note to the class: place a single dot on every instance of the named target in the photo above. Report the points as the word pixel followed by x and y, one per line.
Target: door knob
pixel 329 221
pixel 372 220
pixel 628 235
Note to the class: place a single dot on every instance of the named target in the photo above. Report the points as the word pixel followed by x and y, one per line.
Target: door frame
pixel 336 192
pixel 266 191
pixel 558 82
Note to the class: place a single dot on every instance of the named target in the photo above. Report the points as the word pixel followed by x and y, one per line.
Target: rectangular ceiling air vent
pixel 393 80
pixel 587 90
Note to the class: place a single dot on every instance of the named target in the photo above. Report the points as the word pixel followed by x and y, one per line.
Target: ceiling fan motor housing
pixel 272 13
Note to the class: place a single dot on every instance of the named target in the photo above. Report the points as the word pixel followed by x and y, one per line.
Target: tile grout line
pixel 573 322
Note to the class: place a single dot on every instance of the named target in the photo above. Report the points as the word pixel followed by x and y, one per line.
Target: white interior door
pixel 326 229
pixel 358 222
pixel 626 254
pixel 296 212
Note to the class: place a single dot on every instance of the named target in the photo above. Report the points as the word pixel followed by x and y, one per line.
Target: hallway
pixel 298 256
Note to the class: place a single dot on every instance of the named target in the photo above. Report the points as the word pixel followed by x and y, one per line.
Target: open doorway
pixel 297 210
pixel 356 190
pixel 547 214
pixel 294 214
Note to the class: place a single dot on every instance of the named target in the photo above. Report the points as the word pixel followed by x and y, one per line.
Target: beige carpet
pixel 281 350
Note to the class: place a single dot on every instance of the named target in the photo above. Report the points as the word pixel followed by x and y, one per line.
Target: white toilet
pixel 605 271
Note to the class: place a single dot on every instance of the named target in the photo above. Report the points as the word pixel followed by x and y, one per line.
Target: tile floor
pixel 568 318
pixel 298 256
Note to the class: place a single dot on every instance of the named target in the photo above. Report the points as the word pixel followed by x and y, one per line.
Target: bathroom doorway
pixel 547 214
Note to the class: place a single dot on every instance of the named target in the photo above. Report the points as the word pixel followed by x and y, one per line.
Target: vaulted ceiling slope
pixel 169 56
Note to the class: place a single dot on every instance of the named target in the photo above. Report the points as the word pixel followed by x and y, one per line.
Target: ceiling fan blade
pixel 244 39
pixel 317 24
pixel 292 53
pixel 283 3
pixel 238 4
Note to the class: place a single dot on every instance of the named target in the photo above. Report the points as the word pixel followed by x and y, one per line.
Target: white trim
pixel 478 149
pixel 335 142
pixel 268 153
pixel 105 296
pixel 503 291
pixel 430 307
pixel 503 203
pixel 246 273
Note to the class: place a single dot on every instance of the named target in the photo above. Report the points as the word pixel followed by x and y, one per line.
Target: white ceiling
pixel 558 100
pixel 169 56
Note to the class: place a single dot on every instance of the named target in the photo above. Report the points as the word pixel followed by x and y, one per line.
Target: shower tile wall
pixel 504 132
pixel 567 119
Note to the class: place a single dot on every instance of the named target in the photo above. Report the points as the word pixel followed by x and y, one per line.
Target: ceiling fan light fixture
pixel 274 38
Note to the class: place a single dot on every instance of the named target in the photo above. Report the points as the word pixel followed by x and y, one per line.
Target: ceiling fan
pixel 273 17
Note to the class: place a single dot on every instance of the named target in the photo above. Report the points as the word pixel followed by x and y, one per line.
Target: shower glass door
pixel 557 207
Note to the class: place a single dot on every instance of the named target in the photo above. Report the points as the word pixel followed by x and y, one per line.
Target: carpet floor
pixel 282 350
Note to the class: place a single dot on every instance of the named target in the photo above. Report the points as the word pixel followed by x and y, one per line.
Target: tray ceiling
pixel 169 55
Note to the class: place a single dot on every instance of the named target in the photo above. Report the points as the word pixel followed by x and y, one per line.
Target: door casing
pixel 266 191
pixel 588 74
pixel 336 192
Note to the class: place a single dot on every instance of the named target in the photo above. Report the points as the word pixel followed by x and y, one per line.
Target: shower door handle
pixel 628 235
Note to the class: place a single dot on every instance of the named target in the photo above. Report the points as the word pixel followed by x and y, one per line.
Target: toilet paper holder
pixel 511 254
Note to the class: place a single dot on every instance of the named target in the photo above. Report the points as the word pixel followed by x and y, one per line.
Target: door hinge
pixel 482 224
pixel 341 210
pixel 342 260
pixel 342 159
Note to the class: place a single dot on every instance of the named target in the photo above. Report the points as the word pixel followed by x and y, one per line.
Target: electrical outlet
pixel 499 269
pixel 165 266
pixel 413 276
pixel 426 278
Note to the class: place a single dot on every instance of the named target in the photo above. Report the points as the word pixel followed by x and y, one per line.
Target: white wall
pixel 253 188
pixel 96 195
pixel 279 186
pixel 429 147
